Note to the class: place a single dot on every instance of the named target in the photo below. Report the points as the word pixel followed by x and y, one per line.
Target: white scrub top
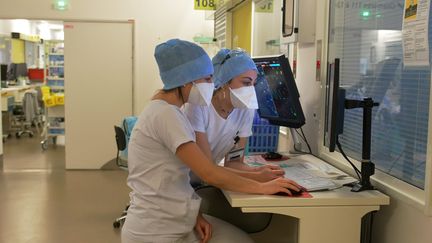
pixel 163 204
pixel 220 132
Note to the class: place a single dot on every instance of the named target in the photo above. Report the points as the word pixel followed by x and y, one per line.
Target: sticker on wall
pixel 204 5
pixel 264 7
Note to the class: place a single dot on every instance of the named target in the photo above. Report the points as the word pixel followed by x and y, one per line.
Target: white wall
pixel 310 92
pixel 401 223
pixel 18 25
pixel 155 22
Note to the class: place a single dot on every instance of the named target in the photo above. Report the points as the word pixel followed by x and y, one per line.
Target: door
pixel 98 66
pixel 242 27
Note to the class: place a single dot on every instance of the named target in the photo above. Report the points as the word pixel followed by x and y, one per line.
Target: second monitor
pixel 277 94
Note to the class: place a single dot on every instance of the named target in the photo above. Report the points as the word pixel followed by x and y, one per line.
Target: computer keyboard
pixel 307 179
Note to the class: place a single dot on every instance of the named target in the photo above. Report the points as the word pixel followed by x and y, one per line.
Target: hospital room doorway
pixel 32 82
pixel 84 87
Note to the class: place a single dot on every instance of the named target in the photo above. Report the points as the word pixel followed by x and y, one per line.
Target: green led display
pixel 61 4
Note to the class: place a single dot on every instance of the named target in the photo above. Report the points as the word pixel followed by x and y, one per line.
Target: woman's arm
pixel 261 173
pixel 220 177
pixel 203 144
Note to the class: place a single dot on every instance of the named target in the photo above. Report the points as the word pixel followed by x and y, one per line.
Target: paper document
pixel 314 175
pixel 307 179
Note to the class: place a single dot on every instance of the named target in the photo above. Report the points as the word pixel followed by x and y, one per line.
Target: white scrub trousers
pixel 222 232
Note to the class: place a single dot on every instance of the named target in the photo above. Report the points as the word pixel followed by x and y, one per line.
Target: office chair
pixel 27 114
pixel 120 138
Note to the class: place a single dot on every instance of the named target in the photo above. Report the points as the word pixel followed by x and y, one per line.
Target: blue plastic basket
pixel 265 136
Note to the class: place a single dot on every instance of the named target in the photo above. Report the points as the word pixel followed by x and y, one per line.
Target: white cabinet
pixel 298 21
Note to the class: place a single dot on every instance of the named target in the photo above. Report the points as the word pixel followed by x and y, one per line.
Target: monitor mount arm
pixel 367 167
pixel 296 142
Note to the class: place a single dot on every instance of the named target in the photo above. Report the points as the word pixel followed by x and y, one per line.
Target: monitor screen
pixel 17 70
pixel 21 70
pixel 3 72
pixel 277 94
pixel 335 106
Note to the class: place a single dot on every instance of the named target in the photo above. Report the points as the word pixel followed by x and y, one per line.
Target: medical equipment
pixel 54 115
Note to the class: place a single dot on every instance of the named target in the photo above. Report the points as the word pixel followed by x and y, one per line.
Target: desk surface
pixel 320 218
pixel 18 88
pixel 338 197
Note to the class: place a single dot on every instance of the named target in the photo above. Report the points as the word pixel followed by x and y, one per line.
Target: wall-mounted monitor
pixel 277 94
pixel 335 108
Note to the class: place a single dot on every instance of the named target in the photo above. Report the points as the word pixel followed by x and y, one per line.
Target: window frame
pixel 392 186
pixel 284 4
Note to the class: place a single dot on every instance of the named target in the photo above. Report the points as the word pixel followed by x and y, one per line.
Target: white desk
pixel 14 91
pixel 327 217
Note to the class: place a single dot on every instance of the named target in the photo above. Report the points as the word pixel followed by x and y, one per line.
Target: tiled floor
pixel 41 202
pixel 26 153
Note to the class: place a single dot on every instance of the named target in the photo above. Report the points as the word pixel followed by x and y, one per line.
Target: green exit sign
pixel 61 5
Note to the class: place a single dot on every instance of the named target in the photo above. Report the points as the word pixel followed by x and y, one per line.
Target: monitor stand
pixel 367 167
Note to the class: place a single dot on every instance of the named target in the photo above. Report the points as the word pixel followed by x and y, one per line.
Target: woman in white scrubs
pixel 222 129
pixel 162 150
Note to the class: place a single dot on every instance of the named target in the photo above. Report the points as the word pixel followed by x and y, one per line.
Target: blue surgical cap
pixel 229 64
pixel 181 62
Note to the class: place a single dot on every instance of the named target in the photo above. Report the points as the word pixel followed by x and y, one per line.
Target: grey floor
pixel 41 202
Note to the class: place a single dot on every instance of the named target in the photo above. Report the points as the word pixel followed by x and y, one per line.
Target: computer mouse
pixel 293 192
pixel 272 155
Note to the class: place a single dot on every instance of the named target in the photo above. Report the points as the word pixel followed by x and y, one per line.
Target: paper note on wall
pixel 415 33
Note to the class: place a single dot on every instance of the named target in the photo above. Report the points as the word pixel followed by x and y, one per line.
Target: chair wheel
pixel 44 145
pixel 17 135
pixel 116 224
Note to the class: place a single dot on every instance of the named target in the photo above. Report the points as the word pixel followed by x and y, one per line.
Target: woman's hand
pixel 204 228
pixel 279 185
pixel 269 172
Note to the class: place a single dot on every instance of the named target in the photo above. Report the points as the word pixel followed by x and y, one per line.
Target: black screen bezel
pixel 290 81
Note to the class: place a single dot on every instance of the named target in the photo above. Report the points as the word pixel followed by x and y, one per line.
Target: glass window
pixel 288 18
pixel 367 37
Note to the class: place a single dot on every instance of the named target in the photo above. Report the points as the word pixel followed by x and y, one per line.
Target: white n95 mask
pixel 244 98
pixel 201 94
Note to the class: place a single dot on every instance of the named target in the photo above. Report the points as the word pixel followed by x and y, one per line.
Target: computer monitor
pixel 17 70
pixel 3 72
pixel 337 103
pixel 277 94
pixel 21 70
pixel 335 106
